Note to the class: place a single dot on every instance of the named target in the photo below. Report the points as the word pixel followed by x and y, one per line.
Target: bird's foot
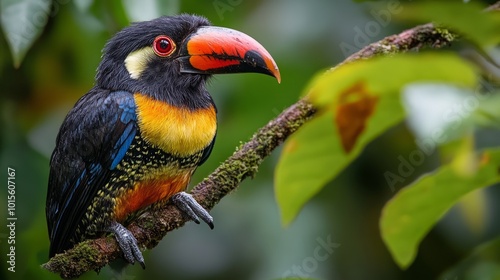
pixel 187 204
pixel 128 244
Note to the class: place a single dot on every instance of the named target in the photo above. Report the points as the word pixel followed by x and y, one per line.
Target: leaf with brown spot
pixel 354 107
pixel 356 103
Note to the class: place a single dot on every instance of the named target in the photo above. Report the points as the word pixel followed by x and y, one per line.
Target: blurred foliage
pixel 19 35
pixel 336 235
pixel 483 261
pixel 350 100
pixel 357 102
pixel 470 20
pixel 414 210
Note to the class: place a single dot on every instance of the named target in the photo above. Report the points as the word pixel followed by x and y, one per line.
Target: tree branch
pixel 151 227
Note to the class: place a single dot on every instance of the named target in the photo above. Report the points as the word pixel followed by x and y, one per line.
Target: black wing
pixel 92 140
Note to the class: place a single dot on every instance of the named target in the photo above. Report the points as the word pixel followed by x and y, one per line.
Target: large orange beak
pixel 218 50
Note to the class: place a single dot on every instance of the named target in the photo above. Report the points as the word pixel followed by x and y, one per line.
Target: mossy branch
pixel 151 227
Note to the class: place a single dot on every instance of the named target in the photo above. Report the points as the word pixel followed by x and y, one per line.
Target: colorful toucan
pixel 135 139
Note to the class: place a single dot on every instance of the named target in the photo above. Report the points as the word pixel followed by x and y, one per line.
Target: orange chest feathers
pixel 148 192
pixel 178 131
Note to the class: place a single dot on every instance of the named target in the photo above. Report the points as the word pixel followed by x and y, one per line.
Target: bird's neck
pixel 188 98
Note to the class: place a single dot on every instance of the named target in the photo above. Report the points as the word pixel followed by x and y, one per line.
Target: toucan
pixel 135 139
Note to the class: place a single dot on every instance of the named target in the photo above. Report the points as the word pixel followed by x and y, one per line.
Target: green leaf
pixel 357 103
pixel 314 155
pixel 469 19
pixel 482 263
pixel 22 23
pixel 411 213
pixel 149 9
pixel 473 210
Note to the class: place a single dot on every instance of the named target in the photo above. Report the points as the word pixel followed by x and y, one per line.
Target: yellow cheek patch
pixel 178 131
pixel 138 60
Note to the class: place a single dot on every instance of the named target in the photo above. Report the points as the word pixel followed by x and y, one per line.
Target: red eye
pixel 163 46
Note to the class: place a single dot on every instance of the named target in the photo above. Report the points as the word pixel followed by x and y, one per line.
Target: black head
pixel 170 58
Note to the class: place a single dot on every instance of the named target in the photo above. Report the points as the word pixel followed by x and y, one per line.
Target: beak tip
pixel 272 69
pixel 276 73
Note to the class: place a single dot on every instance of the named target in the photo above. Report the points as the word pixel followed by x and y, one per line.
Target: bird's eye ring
pixel 163 46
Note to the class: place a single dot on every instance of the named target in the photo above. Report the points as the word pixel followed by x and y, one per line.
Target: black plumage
pixel 135 139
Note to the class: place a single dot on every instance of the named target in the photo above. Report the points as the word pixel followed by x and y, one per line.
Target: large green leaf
pixel 357 102
pixel 409 216
pixel 469 19
pixel 22 23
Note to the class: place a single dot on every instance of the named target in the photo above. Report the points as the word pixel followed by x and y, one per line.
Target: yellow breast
pixel 179 131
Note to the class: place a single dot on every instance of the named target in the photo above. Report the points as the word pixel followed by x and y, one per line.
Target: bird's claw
pixel 128 244
pixel 187 204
